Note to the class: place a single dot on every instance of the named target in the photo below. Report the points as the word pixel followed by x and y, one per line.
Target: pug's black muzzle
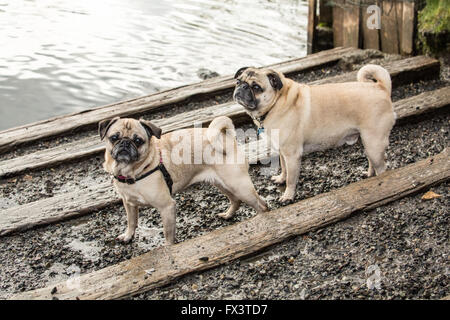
pixel 125 151
pixel 244 95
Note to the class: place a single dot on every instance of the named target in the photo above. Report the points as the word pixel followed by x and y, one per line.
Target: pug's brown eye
pixel 114 138
pixel 238 82
pixel 138 141
pixel 256 87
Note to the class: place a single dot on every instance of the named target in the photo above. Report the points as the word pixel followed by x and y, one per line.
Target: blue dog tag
pixel 260 130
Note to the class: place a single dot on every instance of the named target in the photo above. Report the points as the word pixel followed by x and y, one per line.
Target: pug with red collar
pixel 141 160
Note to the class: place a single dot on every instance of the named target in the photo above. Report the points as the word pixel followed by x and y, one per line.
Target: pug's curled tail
pixel 371 71
pixel 221 132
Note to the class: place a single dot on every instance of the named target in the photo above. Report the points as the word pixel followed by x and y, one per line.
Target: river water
pixel 62 56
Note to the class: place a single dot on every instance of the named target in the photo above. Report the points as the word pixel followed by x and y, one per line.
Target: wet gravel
pixel 406 241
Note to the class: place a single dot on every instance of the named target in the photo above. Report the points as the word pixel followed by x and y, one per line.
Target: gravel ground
pixel 407 240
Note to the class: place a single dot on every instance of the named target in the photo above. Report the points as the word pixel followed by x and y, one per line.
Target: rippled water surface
pixel 61 56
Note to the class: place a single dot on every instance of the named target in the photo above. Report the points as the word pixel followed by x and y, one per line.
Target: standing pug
pixel 317 117
pixel 148 168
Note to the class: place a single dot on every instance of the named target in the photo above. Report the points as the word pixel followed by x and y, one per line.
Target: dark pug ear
pixel 104 125
pixel 240 71
pixel 275 81
pixel 151 129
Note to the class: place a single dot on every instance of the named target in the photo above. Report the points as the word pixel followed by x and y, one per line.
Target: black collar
pixel 159 167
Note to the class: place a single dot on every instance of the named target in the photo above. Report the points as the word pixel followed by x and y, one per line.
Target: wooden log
pixel 398 21
pixel 58 125
pixel 351 25
pixel 389 27
pixel 168 263
pixel 57 208
pixel 424 102
pixel 403 70
pixel 407 41
pixel 311 37
pixel 81 202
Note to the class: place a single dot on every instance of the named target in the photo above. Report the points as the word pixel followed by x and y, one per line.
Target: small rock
pixel 204 74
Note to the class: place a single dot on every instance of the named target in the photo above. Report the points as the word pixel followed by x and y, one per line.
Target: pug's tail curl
pixel 221 132
pixel 380 74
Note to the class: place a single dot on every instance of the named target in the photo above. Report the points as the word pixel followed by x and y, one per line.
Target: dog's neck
pixel 259 117
pixel 280 101
pixel 286 93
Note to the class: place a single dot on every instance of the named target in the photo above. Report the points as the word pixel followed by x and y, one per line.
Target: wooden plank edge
pixel 215 248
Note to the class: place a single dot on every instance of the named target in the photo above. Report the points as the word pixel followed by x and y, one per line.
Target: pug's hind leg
pixel 132 222
pixel 241 187
pixel 235 203
pixel 168 215
pixel 375 146
pixel 292 173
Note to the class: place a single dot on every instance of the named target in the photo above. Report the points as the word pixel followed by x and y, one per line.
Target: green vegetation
pixel 434 26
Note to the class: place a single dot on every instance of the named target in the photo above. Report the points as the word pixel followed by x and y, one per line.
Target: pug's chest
pixel 132 194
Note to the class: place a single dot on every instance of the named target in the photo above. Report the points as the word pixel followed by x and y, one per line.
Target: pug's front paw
pixel 287 197
pixel 125 237
pixel 279 179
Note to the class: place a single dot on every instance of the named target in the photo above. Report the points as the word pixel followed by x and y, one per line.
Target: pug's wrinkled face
pixel 127 140
pixel 257 89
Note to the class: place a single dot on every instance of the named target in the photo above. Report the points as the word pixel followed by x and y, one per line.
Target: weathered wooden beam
pixel 82 202
pixel 338 23
pixel 424 102
pixel 401 71
pixel 390 33
pixel 58 125
pixel 165 264
pixel 407 30
pixel 312 23
pixel 351 25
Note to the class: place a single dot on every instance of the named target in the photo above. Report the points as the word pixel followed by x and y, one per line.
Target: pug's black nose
pixel 245 85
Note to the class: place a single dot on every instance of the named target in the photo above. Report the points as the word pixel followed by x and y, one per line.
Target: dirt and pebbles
pixel 401 248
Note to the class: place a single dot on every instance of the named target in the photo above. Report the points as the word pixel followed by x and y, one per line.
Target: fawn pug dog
pixel 149 167
pixel 316 117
